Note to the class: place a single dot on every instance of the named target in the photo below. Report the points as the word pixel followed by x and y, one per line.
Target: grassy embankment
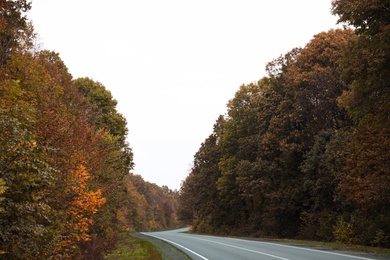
pixel 138 246
pixel 129 247
pixel 335 245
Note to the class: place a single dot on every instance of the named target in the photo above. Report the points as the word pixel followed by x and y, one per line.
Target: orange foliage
pixel 84 205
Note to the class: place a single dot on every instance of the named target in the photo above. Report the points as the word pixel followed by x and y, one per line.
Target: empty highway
pixel 214 248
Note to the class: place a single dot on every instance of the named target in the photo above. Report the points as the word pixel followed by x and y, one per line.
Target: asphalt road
pixel 215 248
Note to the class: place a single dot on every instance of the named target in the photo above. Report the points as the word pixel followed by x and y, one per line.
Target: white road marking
pixel 258 252
pixel 176 244
pixel 245 249
pixel 308 249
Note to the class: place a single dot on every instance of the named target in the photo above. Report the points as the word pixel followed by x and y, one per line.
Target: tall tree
pixel 65 187
pixel 276 147
pixel 366 69
pixel 199 199
pixel 16 32
pixel 102 108
pixel 25 218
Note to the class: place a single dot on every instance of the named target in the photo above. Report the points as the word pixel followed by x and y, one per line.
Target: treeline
pixel 304 152
pixel 65 184
pixel 154 207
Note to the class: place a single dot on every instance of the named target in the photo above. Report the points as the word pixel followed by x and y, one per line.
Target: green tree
pixel 199 201
pixel 16 32
pixel 368 17
pixel 239 145
pixel 102 108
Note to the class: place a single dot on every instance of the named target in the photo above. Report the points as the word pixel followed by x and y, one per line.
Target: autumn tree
pixel 65 183
pixel 108 158
pixel 365 67
pixel 315 84
pixel 25 216
pixel 152 207
pixel 276 162
pixel 85 203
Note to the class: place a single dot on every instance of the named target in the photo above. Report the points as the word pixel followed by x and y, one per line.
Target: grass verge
pixel 129 247
pixel 335 245
pixel 168 251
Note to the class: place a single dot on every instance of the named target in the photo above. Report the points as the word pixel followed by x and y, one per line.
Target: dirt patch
pixel 168 251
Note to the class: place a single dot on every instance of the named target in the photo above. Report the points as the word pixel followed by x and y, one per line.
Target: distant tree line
pixel 304 152
pixel 66 187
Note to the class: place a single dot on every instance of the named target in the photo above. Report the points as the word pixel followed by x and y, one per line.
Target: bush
pixel 344 232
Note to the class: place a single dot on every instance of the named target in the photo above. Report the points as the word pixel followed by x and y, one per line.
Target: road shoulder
pixel 168 251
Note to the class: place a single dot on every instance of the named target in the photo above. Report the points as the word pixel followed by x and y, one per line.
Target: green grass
pixel 335 245
pixel 129 247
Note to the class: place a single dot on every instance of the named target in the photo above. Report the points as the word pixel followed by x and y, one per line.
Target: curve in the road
pixel 177 245
pixel 211 247
pixel 244 249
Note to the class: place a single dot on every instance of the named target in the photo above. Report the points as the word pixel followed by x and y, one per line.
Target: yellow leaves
pixel 80 178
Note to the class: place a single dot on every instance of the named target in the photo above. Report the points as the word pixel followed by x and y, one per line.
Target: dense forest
pixel 304 152
pixel 66 186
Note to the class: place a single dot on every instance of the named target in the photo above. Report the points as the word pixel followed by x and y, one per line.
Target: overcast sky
pixel 172 65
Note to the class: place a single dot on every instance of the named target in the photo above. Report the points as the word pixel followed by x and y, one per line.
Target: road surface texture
pixel 214 248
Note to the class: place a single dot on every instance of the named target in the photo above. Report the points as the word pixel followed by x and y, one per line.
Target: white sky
pixel 172 65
